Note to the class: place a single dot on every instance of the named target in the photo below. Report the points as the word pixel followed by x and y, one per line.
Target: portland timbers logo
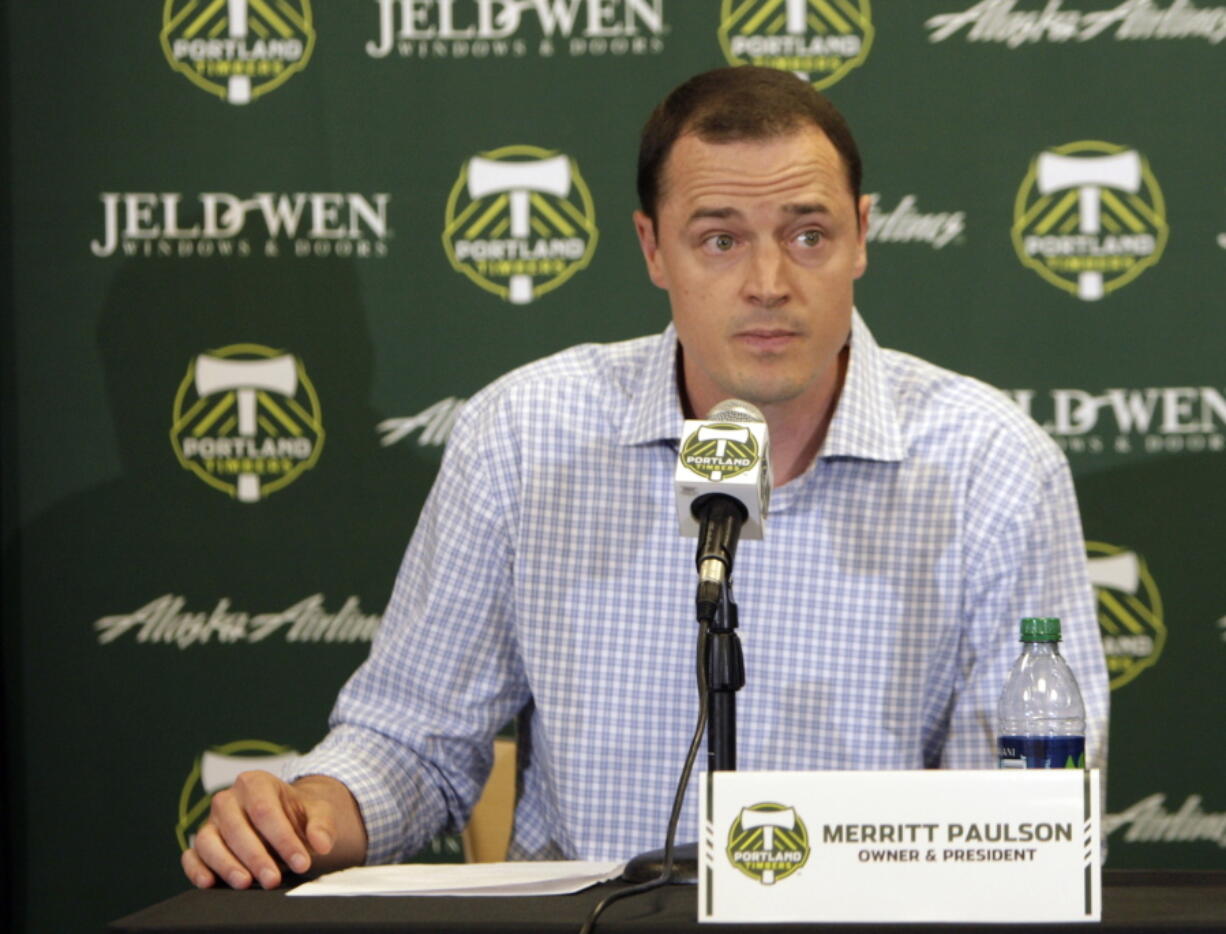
pixel 720 451
pixel 768 842
pixel 1130 617
pixel 820 40
pixel 237 50
pixel 246 420
pixel 520 222
pixel 1089 217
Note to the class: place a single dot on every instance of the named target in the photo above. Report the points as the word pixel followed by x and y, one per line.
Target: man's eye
pixel 721 243
pixel 810 238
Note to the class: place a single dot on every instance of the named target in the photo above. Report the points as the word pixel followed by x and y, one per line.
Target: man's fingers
pixel 197 873
pixel 260 825
pixel 215 854
pixel 320 826
pixel 245 828
pixel 278 817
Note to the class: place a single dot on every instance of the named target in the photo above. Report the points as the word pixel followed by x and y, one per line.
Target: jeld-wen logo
pixel 316 223
pixel 461 29
pixel 1124 420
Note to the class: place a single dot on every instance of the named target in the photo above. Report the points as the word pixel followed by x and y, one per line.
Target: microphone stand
pixel 725 670
pixel 725 676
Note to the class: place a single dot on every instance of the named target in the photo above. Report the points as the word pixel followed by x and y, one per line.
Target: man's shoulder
pixel 937 405
pixel 586 382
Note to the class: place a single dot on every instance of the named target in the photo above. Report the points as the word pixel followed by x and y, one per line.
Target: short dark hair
pixel 735 104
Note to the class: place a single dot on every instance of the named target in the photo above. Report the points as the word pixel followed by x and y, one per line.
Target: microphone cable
pixel 666 871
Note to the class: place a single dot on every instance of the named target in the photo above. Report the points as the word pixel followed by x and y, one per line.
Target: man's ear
pixel 864 207
pixel 645 228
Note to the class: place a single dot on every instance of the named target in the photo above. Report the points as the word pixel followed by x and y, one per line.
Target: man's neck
pixel 798 427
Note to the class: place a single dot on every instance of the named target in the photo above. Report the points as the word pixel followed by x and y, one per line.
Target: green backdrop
pixel 261 250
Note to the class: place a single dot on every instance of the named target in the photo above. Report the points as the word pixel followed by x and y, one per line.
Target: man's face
pixel 757 244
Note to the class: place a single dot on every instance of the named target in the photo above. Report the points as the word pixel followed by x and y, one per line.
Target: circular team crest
pixel 246 420
pixel 237 49
pixel 1089 217
pixel 718 452
pixel 819 40
pixel 1129 611
pixel 520 222
pixel 216 769
pixel 768 842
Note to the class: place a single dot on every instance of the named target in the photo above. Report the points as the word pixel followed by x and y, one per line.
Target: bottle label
pixel 1042 752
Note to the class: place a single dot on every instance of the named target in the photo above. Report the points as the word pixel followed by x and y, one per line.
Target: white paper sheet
pixel 519 878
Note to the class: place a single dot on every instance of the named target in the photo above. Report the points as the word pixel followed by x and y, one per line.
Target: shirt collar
pixel 865 423
pixel 655 405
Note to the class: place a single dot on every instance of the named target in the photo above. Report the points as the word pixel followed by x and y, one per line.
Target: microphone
pixel 723 482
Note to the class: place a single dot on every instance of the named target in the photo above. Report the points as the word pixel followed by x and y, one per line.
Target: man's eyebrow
pixel 815 207
pixel 718 213
pixel 799 209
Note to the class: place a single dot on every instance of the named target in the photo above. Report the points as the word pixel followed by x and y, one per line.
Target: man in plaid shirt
pixel 917 515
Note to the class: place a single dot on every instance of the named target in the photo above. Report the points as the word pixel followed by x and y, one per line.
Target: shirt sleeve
pixel 411 732
pixel 1026 557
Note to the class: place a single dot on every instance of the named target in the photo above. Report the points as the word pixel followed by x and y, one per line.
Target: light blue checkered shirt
pixel 879 617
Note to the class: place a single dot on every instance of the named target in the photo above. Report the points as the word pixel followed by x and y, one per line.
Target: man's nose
pixel 766 275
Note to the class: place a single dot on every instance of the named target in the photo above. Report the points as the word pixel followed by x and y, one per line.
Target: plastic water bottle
pixel 1041 717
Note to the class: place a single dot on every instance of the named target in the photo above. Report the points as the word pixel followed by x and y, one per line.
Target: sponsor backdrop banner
pixel 261 251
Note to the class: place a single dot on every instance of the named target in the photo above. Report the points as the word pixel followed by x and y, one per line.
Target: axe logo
pixel 216 769
pixel 1129 611
pixel 719 452
pixel 247 421
pixel 768 842
pixel 520 222
pixel 237 49
pixel 820 40
pixel 1089 217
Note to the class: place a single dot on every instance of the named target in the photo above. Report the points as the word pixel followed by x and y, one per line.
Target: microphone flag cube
pixel 724 454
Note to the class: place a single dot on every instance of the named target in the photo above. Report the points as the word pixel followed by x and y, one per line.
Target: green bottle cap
pixel 1040 629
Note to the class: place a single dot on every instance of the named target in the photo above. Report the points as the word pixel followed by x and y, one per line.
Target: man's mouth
pixel 766 338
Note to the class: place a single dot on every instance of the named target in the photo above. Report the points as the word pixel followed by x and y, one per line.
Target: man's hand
pixel 260 825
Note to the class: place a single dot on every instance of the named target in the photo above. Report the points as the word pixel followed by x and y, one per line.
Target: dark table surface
pixel 1133 900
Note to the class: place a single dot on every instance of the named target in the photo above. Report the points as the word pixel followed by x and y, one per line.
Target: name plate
pixel 935 846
